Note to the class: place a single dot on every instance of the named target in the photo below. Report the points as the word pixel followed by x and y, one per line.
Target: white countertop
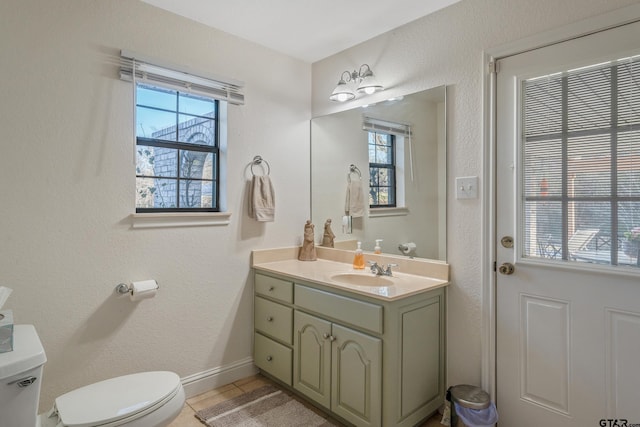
pixel 322 270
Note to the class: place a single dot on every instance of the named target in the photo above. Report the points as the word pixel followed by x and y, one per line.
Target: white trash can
pixel 471 407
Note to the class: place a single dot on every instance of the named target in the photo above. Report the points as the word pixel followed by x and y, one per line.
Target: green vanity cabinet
pixel 369 361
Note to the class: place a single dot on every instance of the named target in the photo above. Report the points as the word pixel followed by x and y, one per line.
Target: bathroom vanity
pixel 369 349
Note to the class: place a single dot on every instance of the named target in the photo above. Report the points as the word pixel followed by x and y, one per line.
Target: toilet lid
pixel 106 402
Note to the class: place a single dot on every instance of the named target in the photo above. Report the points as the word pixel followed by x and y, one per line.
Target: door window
pixel 580 149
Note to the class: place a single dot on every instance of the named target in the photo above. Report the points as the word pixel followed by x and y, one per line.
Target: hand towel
pixel 354 204
pixel 262 201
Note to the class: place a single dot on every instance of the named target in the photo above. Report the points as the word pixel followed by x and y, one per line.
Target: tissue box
pixel 6 331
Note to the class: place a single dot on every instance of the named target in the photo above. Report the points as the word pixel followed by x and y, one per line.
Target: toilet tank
pixel 21 377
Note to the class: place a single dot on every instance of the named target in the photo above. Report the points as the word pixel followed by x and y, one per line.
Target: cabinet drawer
pixel 274 288
pixel 273 358
pixel 274 319
pixel 358 313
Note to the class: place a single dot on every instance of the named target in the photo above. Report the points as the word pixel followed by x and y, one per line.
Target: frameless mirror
pixel 416 225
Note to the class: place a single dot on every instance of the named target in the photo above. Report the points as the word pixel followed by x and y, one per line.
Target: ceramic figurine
pixel 328 236
pixel 308 249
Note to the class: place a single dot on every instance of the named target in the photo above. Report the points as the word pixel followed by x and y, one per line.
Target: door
pixel 567 176
pixel 356 392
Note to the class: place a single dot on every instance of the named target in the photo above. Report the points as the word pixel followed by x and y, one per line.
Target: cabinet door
pixel 312 357
pixel 356 393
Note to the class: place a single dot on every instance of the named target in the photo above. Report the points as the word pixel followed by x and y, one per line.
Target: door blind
pixel 581 164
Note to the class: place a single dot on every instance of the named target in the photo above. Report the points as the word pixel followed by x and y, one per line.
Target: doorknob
pixel 506 268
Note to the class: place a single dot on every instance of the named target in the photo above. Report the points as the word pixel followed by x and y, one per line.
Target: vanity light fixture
pixel 365 79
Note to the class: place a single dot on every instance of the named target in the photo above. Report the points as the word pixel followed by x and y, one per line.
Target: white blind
pixel 153 72
pixel 581 162
pixel 371 124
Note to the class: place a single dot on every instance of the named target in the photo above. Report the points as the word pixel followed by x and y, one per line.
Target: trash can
pixel 471 407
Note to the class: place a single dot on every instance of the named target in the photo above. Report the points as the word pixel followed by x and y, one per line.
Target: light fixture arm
pixel 350 76
pixel 364 71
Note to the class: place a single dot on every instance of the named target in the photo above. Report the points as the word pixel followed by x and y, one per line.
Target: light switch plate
pixel 466 187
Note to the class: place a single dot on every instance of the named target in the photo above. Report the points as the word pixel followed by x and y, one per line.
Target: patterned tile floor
pixel 187 416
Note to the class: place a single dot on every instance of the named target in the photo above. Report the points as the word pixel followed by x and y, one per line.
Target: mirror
pixel 340 140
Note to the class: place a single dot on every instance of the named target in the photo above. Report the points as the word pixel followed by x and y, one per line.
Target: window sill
pixel 382 212
pixel 179 219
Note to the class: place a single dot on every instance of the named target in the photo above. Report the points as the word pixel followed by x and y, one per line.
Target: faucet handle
pixel 375 268
pixel 388 269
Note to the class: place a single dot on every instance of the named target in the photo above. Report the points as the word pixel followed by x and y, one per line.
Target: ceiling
pixel 309 30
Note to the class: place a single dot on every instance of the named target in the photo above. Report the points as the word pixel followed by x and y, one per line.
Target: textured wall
pixel 446 48
pixel 65 234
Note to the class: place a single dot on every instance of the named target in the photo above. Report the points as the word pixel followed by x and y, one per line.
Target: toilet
pixel 146 399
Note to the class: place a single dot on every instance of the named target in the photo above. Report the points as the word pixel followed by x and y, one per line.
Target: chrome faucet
pixel 378 270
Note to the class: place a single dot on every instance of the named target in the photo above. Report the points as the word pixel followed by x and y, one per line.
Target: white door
pixel 568 185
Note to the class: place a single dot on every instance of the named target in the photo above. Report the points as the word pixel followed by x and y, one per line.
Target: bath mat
pixel 264 407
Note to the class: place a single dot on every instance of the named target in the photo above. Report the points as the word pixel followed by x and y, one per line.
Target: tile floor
pixel 187 416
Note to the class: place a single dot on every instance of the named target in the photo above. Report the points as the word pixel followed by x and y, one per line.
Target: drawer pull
pixel 270 319
pixel 272 288
pixel 269 358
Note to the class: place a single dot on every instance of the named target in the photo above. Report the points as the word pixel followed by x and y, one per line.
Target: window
pixel 581 163
pixel 180 138
pixel 177 151
pixel 382 170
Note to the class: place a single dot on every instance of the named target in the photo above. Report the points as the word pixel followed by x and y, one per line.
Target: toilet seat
pixel 116 401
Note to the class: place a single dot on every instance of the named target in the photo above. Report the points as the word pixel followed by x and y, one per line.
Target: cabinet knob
pixel 269 358
pixel 328 337
pixel 272 288
pixel 270 319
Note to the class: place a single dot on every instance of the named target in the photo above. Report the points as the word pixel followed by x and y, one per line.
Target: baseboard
pixel 213 378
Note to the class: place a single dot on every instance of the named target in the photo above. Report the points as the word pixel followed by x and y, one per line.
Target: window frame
pixel 214 149
pixel 390 167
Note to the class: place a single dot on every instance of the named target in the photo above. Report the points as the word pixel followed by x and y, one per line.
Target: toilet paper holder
pixel 123 289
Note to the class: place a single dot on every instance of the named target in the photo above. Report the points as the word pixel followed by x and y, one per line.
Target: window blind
pixel 153 72
pixel 371 124
pixel 581 161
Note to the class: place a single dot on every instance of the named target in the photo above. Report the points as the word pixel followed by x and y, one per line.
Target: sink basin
pixel 360 279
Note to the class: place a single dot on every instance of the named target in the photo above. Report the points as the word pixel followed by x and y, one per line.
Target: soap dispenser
pixel 377 249
pixel 358 259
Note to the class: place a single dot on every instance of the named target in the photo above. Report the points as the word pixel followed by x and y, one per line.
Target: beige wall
pixel 447 48
pixel 67 189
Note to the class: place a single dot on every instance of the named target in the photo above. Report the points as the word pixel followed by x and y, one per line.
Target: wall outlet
pixel 467 187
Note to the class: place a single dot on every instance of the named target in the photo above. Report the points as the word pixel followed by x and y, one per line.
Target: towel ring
pixel 258 160
pixel 353 169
